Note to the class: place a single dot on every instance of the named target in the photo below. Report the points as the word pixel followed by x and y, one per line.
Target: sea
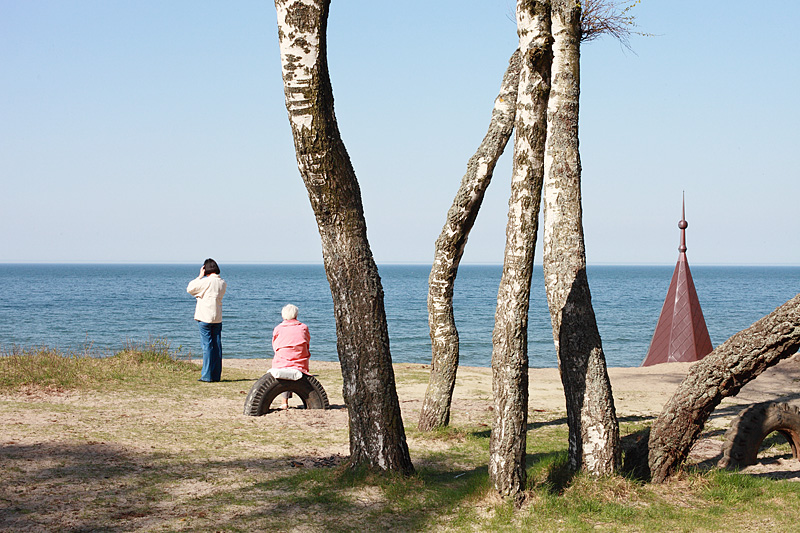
pixel 100 308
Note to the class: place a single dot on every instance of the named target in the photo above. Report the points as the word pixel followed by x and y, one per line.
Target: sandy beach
pixel 639 393
pixel 159 453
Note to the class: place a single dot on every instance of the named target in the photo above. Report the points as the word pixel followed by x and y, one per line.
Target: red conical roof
pixel 681 334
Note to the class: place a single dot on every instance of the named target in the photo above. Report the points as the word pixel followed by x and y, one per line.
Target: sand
pixel 152 458
pixel 639 393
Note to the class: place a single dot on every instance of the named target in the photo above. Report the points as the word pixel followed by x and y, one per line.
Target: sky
pixel 151 131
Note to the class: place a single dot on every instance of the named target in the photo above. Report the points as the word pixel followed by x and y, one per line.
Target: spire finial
pixel 682 225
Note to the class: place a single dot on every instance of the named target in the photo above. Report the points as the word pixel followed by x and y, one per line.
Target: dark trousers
pixel 211 337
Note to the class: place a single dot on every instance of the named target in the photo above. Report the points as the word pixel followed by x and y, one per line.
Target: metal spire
pixel 681 334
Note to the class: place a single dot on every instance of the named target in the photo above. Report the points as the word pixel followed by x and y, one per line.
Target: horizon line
pixel 387 263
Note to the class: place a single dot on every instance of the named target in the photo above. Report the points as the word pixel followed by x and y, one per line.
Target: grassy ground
pixel 134 442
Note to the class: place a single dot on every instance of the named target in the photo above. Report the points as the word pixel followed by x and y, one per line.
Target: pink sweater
pixel 290 340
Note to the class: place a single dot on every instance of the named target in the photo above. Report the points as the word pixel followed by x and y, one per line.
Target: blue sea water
pixel 77 307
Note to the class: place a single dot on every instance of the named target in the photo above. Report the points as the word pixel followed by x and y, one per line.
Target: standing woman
pixel 209 289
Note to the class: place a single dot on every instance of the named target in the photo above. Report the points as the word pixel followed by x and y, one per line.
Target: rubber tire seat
pixel 268 387
pixel 748 430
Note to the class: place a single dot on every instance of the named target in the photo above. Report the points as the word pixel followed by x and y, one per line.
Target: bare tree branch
pixel 608 17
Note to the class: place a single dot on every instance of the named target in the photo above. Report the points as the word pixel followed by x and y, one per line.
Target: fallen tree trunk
pixel 720 374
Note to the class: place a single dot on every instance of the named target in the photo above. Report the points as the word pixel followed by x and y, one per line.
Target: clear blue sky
pixel 154 131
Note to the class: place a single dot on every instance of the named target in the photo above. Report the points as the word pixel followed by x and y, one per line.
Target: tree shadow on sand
pixel 101 487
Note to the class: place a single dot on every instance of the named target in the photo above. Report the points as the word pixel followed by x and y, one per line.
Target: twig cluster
pixel 608 17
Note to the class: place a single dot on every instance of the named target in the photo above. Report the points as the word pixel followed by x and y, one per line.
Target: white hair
pixel 289 311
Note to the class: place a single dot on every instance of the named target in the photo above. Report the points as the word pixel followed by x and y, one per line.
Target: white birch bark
pixel 510 336
pixel 593 427
pixel 377 436
pixel 450 247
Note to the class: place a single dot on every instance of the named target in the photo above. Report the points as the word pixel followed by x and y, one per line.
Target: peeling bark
pixel 591 417
pixel 377 436
pixel 450 248
pixel 720 374
pixel 510 336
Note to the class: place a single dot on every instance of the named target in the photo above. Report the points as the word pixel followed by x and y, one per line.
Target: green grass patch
pixel 50 369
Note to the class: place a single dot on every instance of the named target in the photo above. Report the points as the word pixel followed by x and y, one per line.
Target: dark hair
pixel 211 267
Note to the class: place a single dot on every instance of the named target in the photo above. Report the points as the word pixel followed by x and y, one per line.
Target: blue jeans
pixel 211 337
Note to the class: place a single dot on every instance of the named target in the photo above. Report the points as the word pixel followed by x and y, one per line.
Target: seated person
pixel 290 340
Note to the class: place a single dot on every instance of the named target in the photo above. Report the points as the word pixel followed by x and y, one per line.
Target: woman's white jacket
pixel 209 292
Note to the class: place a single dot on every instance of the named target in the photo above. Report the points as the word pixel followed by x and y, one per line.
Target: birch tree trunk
pixel 720 374
pixel 450 248
pixel 377 436
pixel 593 427
pixel 510 336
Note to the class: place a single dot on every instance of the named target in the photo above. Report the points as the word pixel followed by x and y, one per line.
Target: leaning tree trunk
pixel 377 436
pixel 510 336
pixel 720 374
pixel 450 247
pixel 592 421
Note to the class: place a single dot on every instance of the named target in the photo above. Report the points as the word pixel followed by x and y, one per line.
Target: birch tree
pixel 377 436
pixel 450 247
pixel 598 17
pixel 510 336
pixel 591 417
